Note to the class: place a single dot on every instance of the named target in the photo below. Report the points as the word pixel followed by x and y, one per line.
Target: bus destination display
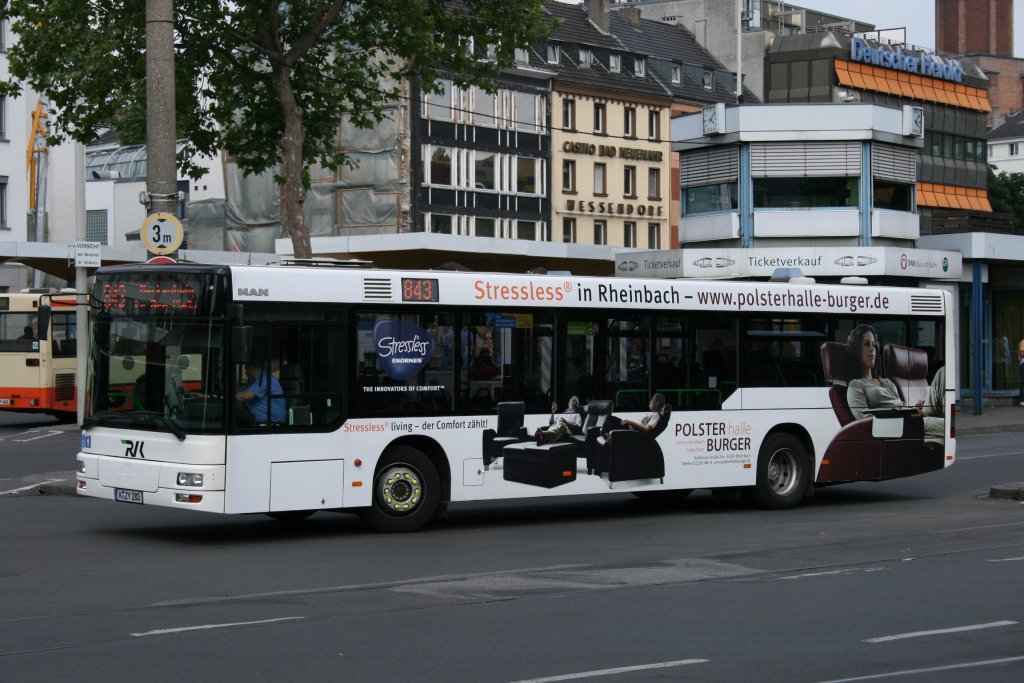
pixel 419 289
pixel 135 296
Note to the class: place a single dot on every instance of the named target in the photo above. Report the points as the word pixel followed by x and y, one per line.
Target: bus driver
pixel 252 398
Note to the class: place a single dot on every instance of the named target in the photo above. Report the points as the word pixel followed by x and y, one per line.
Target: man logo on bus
pixel 133 449
pixel 404 349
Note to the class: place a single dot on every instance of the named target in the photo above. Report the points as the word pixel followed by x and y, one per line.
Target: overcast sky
pixel 918 16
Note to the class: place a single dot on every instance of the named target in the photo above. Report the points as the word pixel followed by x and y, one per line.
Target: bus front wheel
pixel 406 492
pixel 782 471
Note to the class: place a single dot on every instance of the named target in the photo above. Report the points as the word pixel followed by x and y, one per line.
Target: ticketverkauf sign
pixel 822 262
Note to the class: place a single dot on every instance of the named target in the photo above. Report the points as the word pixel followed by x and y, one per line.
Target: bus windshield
pixel 158 352
pixel 158 374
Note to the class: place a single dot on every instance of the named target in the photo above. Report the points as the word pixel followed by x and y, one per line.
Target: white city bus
pixel 397 393
pixel 37 371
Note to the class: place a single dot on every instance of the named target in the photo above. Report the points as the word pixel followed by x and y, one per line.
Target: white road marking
pixel 52 432
pixel 26 488
pixel 11 436
pixel 934 669
pixel 833 572
pixel 982 457
pixel 957 629
pixel 207 627
pixel 612 672
pixel 1009 559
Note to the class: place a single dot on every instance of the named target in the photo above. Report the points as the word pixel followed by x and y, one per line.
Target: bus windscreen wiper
pixel 100 419
pixel 95 420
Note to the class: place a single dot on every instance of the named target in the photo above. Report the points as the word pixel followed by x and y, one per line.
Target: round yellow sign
pixel 162 233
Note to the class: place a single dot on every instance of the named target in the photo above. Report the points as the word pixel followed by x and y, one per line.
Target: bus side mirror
pixel 44 322
pixel 241 343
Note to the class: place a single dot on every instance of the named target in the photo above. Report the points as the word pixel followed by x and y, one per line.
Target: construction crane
pixel 35 165
pixel 36 148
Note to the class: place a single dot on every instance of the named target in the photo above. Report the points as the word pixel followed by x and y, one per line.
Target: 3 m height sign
pixel 162 233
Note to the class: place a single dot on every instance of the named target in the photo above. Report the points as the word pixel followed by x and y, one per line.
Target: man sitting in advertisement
pixel 568 422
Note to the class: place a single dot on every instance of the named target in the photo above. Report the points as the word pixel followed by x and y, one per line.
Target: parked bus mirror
pixel 44 322
pixel 241 343
pixel 184 362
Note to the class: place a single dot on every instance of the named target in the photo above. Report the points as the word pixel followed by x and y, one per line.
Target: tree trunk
pixel 293 195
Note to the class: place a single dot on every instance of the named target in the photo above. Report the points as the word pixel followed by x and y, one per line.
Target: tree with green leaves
pixel 267 81
pixel 1006 193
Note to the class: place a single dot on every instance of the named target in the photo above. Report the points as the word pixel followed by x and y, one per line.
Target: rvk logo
pixel 403 348
pixel 133 449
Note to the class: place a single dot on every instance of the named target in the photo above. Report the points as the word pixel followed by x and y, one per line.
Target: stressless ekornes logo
pixel 403 348
pixel 133 449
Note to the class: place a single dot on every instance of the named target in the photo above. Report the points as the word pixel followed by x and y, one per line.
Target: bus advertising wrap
pixel 403 348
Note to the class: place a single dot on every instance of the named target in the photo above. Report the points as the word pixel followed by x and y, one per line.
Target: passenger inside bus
pixel 28 334
pixel 484 367
pixel 484 359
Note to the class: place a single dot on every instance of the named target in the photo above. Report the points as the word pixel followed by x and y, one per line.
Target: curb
pixel 1008 491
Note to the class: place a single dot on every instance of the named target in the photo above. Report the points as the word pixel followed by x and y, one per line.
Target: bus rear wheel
pixel 406 492
pixel 782 471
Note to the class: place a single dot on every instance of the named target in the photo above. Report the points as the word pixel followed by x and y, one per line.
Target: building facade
pixel 952 95
pixel 981 32
pixel 692 76
pixel 481 161
pixel 785 176
pixel 1006 145
pixel 610 145
pixel 15 124
pixel 974 26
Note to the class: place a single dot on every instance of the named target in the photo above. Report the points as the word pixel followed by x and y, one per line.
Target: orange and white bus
pixel 38 375
pixel 289 389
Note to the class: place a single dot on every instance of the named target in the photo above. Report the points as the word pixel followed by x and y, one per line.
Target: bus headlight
pixel 189 479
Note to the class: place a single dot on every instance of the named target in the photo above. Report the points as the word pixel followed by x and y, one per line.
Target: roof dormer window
pixel 614 63
pixel 584 57
pixel 554 54
pixel 639 66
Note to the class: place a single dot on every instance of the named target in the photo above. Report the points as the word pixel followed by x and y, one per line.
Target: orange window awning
pixel 953 197
pixel 892 82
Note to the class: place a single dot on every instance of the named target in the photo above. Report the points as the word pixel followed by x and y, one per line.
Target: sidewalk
pixel 995 420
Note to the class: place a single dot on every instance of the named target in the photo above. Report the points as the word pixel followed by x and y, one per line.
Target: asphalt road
pixel 910 579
